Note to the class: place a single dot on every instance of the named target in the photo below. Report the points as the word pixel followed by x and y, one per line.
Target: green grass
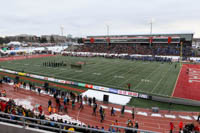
pixel 148 77
pixel 143 103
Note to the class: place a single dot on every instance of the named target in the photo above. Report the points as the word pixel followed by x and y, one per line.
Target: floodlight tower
pixel 151 28
pixel 62 29
pixel 107 28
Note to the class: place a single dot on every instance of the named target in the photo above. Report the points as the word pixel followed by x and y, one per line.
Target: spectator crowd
pixel 158 49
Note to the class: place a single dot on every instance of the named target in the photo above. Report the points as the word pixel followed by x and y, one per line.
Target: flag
pixel 92 40
pixel 150 39
pixel 108 40
pixel 169 39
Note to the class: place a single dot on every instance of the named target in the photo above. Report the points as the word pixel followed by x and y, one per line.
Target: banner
pixel 92 40
pixel 96 87
pixel 67 82
pixel 81 84
pixel 88 86
pixel 51 79
pixel 21 74
pixel 150 39
pixel 113 90
pixel 103 88
pixel 108 40
pixel 169 39
pixel 144 96
pixel 128 93
pixel 61 81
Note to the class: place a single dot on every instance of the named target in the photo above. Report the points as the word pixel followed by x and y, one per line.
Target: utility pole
pixel 151 30
pixel 107 27
pixel 62 29
pixel 151 26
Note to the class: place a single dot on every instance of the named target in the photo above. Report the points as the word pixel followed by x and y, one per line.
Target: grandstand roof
pixel 186 36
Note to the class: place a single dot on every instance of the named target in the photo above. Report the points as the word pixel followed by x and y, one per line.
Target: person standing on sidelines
pixel 94 109
pixel 171 127
pixel 49 109
pixel 112 112
pixel 136 126
pixel 122 110
pixel 133 113
pixel 49 102
pixel 198 118
pixel 100 110
pixel 180 126
pixel 129 86
pixel 81 104
pixel 73 104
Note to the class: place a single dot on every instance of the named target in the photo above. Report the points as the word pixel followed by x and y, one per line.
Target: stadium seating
pixel 135 49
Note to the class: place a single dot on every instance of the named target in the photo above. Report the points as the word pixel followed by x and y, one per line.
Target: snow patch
pixel 4 99
pixel 128 111
pixel 170 116
pixel 195 117
pixel 156 115
pixel 105 107
pixel 64 118
pixel 142 113
pixel 24 103
pixel 185 117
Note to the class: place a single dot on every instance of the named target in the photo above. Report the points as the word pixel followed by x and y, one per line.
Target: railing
pixel 27 121
pixel 132 129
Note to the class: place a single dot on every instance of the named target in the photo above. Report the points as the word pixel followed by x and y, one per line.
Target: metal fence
pixel 42 124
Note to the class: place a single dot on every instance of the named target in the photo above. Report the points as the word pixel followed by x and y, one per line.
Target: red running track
pixel 148 123
pixel 23 57
pixel 188 84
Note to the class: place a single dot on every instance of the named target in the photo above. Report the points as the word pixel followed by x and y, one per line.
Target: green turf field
pixel 149 77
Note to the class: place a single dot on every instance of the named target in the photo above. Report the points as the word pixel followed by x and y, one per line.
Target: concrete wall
pixel 11 128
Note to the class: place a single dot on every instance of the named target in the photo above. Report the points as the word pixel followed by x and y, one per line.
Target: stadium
pixel 116 83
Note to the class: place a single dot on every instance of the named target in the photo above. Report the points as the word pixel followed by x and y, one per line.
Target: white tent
pixel 14 43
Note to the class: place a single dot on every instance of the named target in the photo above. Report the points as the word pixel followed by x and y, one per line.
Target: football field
pixel 149 77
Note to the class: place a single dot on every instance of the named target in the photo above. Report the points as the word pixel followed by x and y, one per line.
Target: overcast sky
pixel 90 17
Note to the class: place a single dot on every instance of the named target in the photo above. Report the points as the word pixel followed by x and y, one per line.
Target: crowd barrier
pixel 33 122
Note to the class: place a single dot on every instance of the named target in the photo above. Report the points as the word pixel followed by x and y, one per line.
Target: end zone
pixel 188 84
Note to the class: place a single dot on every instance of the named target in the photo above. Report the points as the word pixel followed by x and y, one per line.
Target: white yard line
pixel 133 77
pixel 177 80
pixel 147 76
pixel 108 81
pixel 161 79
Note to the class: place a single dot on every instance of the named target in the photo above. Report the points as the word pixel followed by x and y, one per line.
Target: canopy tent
pixel 14 43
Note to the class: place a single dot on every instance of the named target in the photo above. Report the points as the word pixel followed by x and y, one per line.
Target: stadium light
pixel 151 28
pixel 151 25
pixel 62 29
pixel 107 27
